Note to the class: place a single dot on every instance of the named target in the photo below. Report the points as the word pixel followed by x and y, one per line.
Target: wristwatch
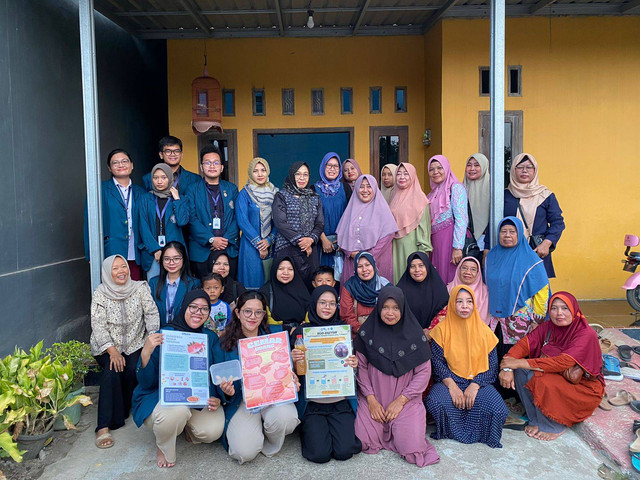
pixel 507 369
pixel 211 240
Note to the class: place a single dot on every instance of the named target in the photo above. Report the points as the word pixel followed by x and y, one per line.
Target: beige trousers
pixel 251 433
pixel 167 422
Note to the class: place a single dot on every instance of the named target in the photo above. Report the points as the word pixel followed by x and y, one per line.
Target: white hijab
pixel 111 289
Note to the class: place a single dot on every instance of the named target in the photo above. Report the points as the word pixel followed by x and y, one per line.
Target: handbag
pixel 572 374
pixel 471 248
pixel 534 240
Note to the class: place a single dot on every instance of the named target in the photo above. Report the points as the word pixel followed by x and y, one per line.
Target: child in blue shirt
pixel 220 311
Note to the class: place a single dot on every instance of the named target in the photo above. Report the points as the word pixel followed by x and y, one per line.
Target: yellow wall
pixel 433 92
pixel 302 64
pixel 581 104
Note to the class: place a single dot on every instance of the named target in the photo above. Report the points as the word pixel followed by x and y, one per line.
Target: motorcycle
pixel 632 285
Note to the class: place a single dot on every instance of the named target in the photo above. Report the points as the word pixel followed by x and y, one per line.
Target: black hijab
pixel 178 322
pixel 290 182
pixel 393 349
pixel 288 301
pixel 314 319
pixel 425 298
pixel 228 282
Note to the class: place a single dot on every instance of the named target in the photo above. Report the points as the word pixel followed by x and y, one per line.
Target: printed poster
pixel 266 370
pixel 184 369
pixel 327 349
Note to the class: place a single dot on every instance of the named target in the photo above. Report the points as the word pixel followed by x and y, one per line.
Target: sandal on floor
pixel 514 423
pixel 597 327
pixel 625 352
pixel 635 406
pixel 635 446
pixel 621 398
pixel 103 437
pixel 636 349
pixel 605 345
pixel 604 403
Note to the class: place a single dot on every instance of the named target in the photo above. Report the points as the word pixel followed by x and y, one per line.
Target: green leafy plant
pixel 78 353
pixel 34 389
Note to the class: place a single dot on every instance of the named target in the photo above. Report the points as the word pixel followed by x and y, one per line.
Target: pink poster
pixel 267 375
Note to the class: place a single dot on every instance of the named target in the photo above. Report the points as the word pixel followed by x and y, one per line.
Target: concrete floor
pixel 608 313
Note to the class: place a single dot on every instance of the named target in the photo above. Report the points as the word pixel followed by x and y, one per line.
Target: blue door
pixel 283 149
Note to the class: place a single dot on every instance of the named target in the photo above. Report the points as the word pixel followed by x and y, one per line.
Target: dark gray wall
pixel 44 279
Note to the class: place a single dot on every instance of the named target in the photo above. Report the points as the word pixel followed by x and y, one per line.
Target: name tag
pixel 162 240
pixel 216 223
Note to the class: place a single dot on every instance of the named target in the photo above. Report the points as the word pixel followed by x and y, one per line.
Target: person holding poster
pixel 326 429
pixel 201 425
pixel 248 433
pixel 394 368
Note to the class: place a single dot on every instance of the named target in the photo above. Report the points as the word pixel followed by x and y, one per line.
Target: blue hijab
pixel 324 185
pixel 365 292
pixel 513 274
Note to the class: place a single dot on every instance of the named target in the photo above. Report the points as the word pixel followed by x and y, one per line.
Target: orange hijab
pixel 468 342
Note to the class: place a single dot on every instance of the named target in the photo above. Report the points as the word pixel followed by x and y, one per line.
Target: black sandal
pixel 625 352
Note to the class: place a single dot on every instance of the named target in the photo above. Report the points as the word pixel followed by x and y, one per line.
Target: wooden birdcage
pixel 206 112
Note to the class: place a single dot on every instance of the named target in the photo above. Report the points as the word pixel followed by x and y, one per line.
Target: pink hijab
pixel 408 204
pixel 355 164
pixel 440 195
pixel 479 289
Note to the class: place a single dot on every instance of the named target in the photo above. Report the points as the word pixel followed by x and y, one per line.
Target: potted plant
pixel 34 391
pixel 82 362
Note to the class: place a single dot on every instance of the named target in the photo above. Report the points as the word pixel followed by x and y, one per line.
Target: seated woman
pixel 393 371
pixel 200 425
pixel 122 316
pixel 463 402
pixel 174 281
pixel 232 288
pixel 246 433
pixel 359 294
pixel 286 295
pixel 425 291
pixel 553 402
pixel 327 429
pixel 469 273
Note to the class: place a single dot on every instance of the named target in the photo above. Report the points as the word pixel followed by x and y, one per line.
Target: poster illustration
pixel 184 372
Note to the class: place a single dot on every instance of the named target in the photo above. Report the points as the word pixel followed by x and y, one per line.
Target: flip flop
pixel 514 423
pixel 622 398
pixel 604 403
pixel 635 460
pixel 597 327
pixel 605 345
pixel 636 349
pixel 101 438
pixel 635 446
pixel 625 352
pixel 635 406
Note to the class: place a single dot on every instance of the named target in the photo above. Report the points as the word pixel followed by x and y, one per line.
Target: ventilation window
pixel 259 107
pixel 346 100
pixel 515 80
pixel 375 100
pixel 317 101
pixel 485 81
pixel 401 99
pixel 288 101
pixel 229 103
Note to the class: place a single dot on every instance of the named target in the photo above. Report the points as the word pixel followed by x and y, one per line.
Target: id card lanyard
pixel 216 224
pixel 161 237
pixel 126 201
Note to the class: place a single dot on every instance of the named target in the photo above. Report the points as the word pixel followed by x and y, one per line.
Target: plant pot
pixel 33 444
pixel 73 412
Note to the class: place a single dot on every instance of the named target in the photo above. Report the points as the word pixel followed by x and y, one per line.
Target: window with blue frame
pixel 259 104
pixel 229 102
pixel 375 99
pixel 346 100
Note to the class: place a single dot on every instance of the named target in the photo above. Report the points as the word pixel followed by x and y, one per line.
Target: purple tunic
pixel 406 434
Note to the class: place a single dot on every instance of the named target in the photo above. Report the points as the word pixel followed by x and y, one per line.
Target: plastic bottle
pixel 301 365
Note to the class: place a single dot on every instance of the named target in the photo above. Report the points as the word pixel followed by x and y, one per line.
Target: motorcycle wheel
pixel 633 297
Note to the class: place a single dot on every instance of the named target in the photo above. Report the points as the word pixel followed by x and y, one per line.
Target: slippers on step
pixel 621 398
pixel 636 349
pixel 635 406
pixel 102 438
pixel 597 327
pixel 625 352
pixel 605 345
pixel 604 403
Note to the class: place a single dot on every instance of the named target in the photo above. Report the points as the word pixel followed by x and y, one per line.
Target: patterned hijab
pixel 387 192
pixel 329 187
pixel 111 289
pixel 408 204
pixel 290 182
pixel 440 194
pixel 166 193
pixel 262 195
pixel 479 193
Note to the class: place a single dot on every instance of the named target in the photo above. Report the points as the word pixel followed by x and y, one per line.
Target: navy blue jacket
pixel 187 179
pixel 176 216
pixel 183 288
pixel 200 220
pixel 115 229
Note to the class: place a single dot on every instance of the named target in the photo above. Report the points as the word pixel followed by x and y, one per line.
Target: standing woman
pixel 367 225
pixel 297 214
pixel 122 317
pixel 334 201
pixel 477 181
pixel 255 221
pixel 409 208
pixel 388 180
pixel 350 173
pixel 536 206
pixel 162 213
pixel 394 369
pixel 449 218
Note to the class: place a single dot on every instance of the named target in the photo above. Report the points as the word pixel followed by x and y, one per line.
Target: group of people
pixel 433 330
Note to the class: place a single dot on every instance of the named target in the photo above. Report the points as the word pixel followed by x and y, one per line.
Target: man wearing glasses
pixel 212 216
pixel 170 152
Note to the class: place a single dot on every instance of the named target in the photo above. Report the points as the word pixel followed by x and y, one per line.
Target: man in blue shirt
pixel 170 152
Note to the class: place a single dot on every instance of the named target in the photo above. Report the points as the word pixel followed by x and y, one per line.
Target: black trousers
pixel 327 431
pixel 116 390
pixel 202 269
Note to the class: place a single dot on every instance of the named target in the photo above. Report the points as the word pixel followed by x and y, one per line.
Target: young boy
pixel 323 276
pixel 220 311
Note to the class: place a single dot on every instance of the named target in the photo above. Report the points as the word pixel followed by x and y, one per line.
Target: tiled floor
pixel 608 313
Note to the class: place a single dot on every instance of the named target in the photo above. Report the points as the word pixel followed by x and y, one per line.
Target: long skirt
pixel 442 242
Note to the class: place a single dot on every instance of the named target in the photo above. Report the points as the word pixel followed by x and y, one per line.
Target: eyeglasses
pixel 333 167
pixel 195 309
pixel 301 175
pixel 123 162
pixel 522 168
pixel 172 153
pixel 221 264
pixel 469 269
pixel 172 259
pixel 211 164
pixel 322 303
pixel 253 313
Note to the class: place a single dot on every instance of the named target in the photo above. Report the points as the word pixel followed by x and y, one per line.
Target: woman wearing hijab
pixel 449 218
pixel 463 401
pixel 367 225
pixel 517 283
pixel 297 214
pixel 388 180
pixel 201 425
pixel 334 201
pixel 469 274
pixel 350 173
pixel 477 181
pixel 359 294
pixel 286 294
pixel 253 210
pixel 426 293
pixel 162 214
pixel 409 208
pixel 539 366
pixel 327 425
pixel 394 369
pixel 536 206
pixel 232 288
pixel 123 314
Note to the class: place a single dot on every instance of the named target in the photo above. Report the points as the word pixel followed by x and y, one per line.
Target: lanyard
pixel 214 200
pixel 127 198
pixel 161 214
pixel 175 182
pixel 173 301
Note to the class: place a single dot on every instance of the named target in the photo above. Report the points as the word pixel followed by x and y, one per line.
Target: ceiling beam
pixel 269 11
pixel 629 6
pixel 541 5
pixel 361 14
pixel 107 12
pixel 437 15
pixel 197 17
pixel 279 18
